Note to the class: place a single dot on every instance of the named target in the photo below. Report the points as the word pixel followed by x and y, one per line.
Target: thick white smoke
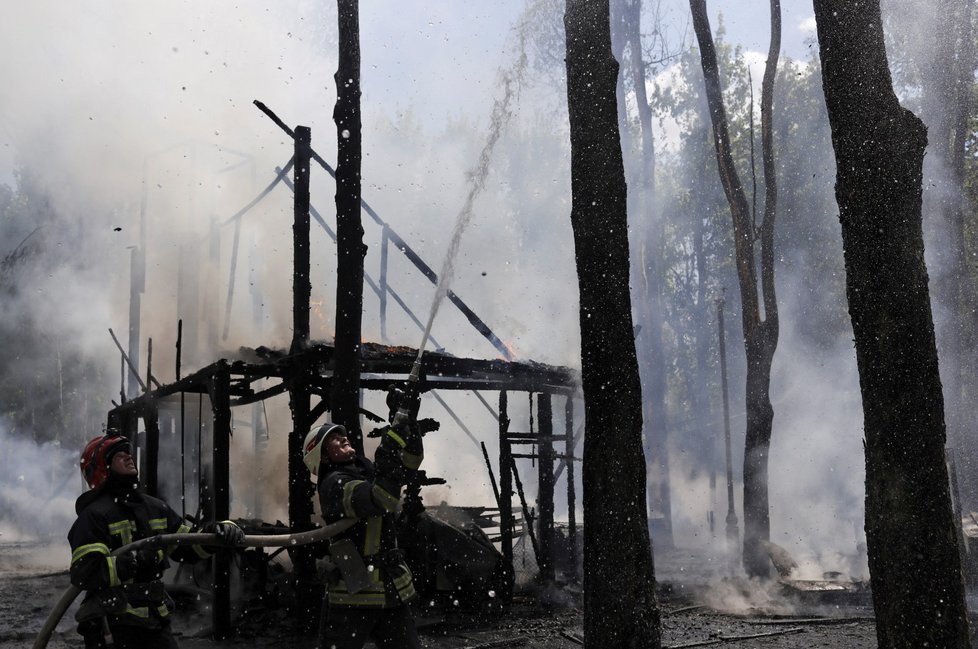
pixel 37 489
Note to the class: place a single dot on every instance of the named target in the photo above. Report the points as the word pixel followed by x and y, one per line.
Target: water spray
pixel 502 112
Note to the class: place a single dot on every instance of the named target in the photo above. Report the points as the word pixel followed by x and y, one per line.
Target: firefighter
pixel 368 592
pixel 126 605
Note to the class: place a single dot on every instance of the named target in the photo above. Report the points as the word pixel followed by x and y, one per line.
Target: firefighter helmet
pixel 312 447
pixel 97 457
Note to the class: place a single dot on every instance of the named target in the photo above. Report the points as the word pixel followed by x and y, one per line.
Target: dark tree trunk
pixel 651 353
pixel 620 607
pixel 918 593
pixel 349 229
pixel 760 335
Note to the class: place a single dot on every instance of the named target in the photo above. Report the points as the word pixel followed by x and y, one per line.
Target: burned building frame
pixel 157 417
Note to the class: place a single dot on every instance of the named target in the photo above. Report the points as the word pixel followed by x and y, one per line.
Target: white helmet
pixel 312 447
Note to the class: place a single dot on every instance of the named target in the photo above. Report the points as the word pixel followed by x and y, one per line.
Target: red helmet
pixel 96 457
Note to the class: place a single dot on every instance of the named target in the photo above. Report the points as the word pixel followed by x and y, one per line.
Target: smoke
pixel 38 489
pixel 817 468
pixel 136 121
pixel 815 464
pixel 501 114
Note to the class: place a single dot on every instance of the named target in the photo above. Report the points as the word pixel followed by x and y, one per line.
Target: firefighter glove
pixel 142 565
pixel 125 565
pixel 228 532
pixel 403 398
pixel 397 436
pixel 387 461
pixel 148 564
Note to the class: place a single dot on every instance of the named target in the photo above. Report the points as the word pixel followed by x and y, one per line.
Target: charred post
pixel 384 246
pixel 545 489
pixel 150 473
pixel 505 482
pixel 571 489
pixel 220 394
pixel 301 287
pixel 179 346
pixel 350 249
pixel 300 487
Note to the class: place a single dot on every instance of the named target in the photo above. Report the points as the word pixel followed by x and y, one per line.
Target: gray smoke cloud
pixel 37 490
pixel 137 124
pixel 116 105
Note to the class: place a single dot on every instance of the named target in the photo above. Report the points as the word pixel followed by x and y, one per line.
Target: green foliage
pixel 808 235
pixel 698 246
pixel 698 249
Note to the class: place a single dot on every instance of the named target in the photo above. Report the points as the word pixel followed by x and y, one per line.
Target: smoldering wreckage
pixel 502 574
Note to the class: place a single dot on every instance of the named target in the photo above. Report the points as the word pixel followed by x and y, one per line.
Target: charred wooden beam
pixel 299 485
pixel 458 422
pixel 219 391
pixel 528 515
pixel 301 287
pixel 545 490
pixel 571 488
pixel 505 491
pixel 150 473
pixel 149 363
pixel 402 245
pixel 196 383
pixel 350 249
pixel 255 397
pixel 179 347
pixel 128 362
pixel 280 175
pixel 384 241
pixel 492 476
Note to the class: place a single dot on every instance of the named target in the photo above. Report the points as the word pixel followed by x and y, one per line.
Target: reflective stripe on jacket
pixel 107 522
pixel 353 491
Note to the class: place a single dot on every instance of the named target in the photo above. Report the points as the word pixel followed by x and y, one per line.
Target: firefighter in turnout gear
pixel 126 605
pixel 368 592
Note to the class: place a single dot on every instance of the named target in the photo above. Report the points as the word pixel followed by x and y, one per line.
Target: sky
pixel 439 57
pixel 123 104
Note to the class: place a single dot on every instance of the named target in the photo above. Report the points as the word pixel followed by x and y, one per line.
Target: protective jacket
pixel 127 591
pixel 370 494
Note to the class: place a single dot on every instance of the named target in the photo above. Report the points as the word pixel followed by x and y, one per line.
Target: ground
pixel 699 606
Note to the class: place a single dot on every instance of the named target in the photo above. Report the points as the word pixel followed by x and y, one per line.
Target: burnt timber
pixel 306 372
pixel 230 383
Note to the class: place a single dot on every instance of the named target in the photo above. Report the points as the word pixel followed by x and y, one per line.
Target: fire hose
pixel 162 541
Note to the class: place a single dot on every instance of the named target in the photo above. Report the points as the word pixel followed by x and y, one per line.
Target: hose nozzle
pixel 410 393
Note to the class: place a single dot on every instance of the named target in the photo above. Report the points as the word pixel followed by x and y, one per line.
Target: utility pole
pixel 733 529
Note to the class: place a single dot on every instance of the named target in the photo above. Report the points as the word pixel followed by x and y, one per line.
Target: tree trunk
pixel 349 229
pixel 620 607
pixel 918 593
pixel 760 335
